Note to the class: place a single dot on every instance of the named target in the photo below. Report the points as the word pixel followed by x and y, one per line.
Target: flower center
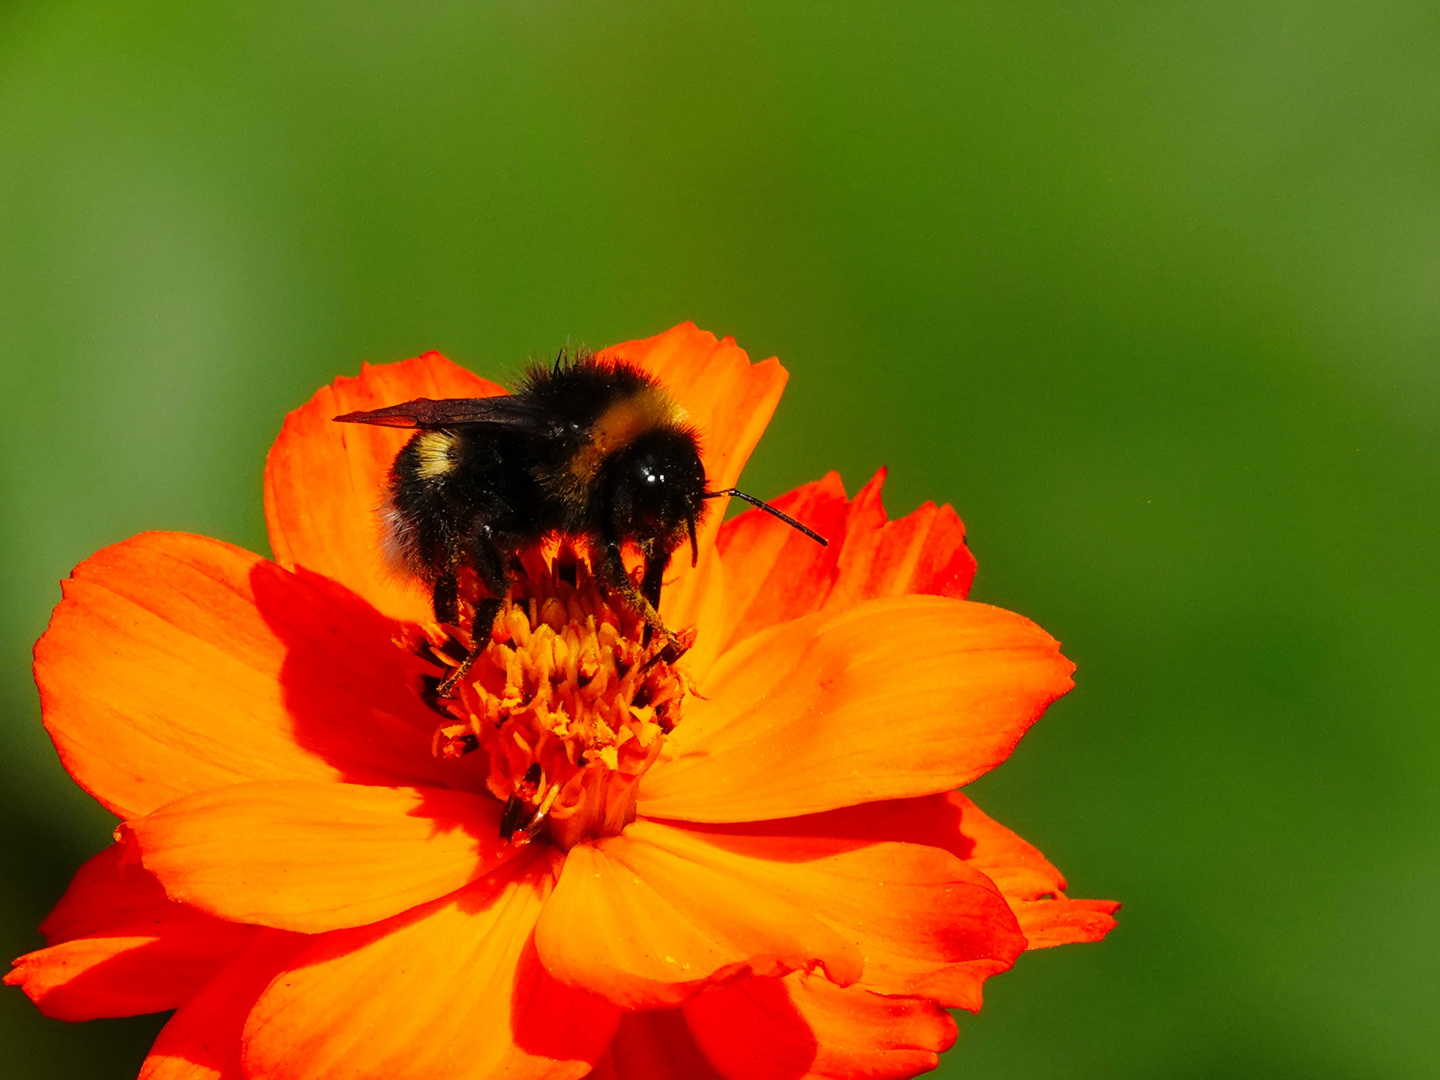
pixel 566 701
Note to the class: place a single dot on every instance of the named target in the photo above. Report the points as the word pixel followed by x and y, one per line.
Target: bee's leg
pixel 489 564
pixel 446 598
pixel 485 612
pixel 610 569
pixel 655 564
pixel 445 594
pixel 650 582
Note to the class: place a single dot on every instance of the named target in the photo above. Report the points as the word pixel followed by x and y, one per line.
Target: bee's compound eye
pixel 650 497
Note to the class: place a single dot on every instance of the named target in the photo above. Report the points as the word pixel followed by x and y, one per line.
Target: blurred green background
pixel 1150 291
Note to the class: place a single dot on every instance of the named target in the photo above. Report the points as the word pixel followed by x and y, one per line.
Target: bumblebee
pixel 586 448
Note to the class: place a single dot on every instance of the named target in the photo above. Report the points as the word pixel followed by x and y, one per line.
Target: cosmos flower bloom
pixel 749 861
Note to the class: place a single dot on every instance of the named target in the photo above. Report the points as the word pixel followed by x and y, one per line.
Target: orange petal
pixel 1032 887
pixel 654 1045
pixel 110 893
pixel 895 697
pixel 806 1028
pixel 120 947
pixel 774 574
pixel 202 1040
pixel 1016 866
pixel 325 482
pixel 730 401
pixel 648 918
pixel 450 990
pixel 1062 921
pixel 926 924
pixel 950 821
pixel 124 974
pixel 923 552
pixel 311 857
pixel 177 663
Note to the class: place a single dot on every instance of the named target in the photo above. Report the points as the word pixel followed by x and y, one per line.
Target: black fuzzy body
pixel 586 448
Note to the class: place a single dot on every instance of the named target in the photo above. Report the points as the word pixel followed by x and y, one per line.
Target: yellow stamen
pixel 565 683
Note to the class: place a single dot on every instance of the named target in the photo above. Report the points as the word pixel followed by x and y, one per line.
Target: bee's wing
pixel 503 410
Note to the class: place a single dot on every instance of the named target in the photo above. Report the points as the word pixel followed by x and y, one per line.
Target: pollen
pixel 567 705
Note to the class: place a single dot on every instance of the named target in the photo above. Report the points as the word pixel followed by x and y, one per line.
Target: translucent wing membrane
pixel 504 410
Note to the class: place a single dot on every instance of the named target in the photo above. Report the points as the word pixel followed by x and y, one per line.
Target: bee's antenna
pixel 763 505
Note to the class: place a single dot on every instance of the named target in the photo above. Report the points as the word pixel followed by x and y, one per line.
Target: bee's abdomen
pixel 448 489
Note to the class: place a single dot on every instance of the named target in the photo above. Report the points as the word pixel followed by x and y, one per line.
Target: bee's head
pixel 655 488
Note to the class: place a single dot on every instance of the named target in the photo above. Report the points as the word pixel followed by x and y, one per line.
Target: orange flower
pixel 753 862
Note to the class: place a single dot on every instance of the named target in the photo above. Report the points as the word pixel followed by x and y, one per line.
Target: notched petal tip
pixel 1034 888
pixel 770 578
pixel 119 947
pixel 1061 921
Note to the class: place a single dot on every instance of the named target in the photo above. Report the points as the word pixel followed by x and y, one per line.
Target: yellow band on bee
pixel 434 449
